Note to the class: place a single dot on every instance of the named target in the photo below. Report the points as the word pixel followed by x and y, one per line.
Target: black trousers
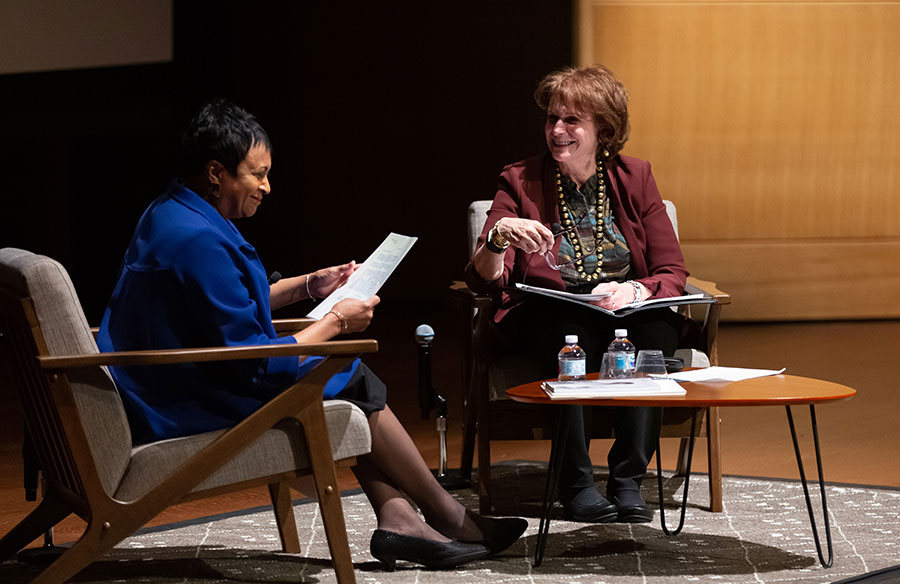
pixel 539 329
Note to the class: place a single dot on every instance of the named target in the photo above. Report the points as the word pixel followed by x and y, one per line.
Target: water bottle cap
pixel 621 332
pixel 571 339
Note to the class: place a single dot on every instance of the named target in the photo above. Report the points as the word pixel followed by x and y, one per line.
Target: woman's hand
pixel 357 313
pixel 323 282
pixel 621 294
pixel 526 234
pixel 348 316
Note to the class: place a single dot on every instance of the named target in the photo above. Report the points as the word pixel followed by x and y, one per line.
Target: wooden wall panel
pixel 775 128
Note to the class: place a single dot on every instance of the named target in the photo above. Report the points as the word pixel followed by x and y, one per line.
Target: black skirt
pixel 365 390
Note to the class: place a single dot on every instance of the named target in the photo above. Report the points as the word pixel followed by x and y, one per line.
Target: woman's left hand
pixel 325 281
pixel 621 294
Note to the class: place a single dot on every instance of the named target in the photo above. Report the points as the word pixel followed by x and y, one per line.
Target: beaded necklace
pixel 568 220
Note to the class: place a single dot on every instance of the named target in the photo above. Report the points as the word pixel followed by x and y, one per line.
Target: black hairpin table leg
pixel 812 519
pixel 557 448
pixel 687 480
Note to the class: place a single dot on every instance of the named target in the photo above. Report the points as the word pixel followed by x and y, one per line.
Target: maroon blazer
pixel 527 189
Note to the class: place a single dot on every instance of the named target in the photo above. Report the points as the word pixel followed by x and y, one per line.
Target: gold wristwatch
pixel 496 243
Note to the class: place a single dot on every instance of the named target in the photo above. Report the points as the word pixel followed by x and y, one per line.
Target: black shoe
pixel 499 532
pixel 632 508
pixel 589 506
pixel 388 547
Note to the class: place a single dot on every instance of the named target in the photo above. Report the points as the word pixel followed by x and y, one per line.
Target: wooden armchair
pixel 490 415
pixel 76 420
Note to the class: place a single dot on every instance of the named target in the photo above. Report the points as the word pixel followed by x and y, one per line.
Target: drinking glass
pixel 650 363
pixel 608 366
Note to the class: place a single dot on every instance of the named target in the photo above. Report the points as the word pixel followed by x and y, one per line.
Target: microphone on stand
pixel 430 399
pixel 427 392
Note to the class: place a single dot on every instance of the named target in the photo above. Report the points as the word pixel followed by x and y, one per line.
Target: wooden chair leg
pixel 280 495
pixel 96 540
pixel 469 430
pixel 48 513
pixel 681 462
pixel 714 450
pixel 484 471
pixel 322 463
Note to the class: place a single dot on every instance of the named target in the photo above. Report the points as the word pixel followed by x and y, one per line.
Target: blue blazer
pixel 190 279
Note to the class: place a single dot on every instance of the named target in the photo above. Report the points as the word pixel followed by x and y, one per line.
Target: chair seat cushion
pixel 281 449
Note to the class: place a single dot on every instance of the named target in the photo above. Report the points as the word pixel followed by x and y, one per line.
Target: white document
pixel 723 374
pixel 603 388
pixel 585 300
pixel 371 275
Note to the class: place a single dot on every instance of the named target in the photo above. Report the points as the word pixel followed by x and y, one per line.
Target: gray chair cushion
pixel 281 449
pixel 66 332
pixel 478 211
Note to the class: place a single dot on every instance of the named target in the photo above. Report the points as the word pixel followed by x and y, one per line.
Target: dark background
pixel 384 117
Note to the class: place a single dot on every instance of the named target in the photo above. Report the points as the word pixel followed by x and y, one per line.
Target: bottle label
pixel 573 368
pixel 622 364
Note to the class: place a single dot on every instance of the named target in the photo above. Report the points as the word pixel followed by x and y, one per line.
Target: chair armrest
pixel 461 292
pixel 697 286
pixel 282 325
pixel 291 325
pixel 167 356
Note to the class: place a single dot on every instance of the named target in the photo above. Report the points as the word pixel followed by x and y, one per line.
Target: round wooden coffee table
pixel 773 390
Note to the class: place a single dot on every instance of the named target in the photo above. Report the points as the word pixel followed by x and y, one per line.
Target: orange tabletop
pixel 774 390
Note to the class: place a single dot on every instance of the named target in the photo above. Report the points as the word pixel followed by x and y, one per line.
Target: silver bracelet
pixel 308 293
pixel 637 291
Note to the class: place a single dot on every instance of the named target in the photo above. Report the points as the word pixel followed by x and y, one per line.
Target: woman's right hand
pixel 357 313
pixel 526 234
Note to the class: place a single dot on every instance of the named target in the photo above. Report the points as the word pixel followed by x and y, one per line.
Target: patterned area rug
pixel 762 537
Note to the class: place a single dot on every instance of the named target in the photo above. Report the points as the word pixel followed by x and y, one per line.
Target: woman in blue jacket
pixel 189 279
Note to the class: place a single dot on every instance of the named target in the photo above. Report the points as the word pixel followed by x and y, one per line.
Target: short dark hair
pixel 595 91
pixel 220 131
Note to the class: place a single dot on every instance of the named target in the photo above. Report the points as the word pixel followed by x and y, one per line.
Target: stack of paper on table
pixel 714 374
pixel 603 388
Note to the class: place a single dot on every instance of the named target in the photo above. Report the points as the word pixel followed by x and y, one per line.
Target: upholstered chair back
pixel 64 330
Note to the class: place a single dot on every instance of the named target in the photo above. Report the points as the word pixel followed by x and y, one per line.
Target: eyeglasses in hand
pixel 558 230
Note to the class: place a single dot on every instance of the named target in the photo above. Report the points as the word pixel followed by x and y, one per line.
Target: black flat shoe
pixel 632 508
pixel 499 532
pixel 388 547
pixel 589 506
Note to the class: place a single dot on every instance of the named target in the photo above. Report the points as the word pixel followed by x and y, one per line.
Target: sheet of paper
pixel 723 374
pixel 371 275
pixel 601 388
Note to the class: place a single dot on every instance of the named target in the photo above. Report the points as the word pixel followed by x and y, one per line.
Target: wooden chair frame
pixel 68 462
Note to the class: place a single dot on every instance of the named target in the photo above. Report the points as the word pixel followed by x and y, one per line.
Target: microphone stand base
pixel 451 481
pixel 43 555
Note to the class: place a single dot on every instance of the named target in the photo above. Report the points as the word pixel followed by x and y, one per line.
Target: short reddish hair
pixel 593 91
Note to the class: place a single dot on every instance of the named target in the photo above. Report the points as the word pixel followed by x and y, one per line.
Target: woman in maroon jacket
pixel 584 218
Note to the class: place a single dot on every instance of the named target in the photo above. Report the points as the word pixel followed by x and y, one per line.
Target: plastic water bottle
pixel 572 360
pixel 624 353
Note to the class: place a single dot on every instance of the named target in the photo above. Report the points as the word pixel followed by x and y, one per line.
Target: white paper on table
pixel 603 388
pixel 371 275
pixel 723 374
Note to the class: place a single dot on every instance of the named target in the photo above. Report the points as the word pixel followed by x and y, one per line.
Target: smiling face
pixel 239 195
pixel 571 136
